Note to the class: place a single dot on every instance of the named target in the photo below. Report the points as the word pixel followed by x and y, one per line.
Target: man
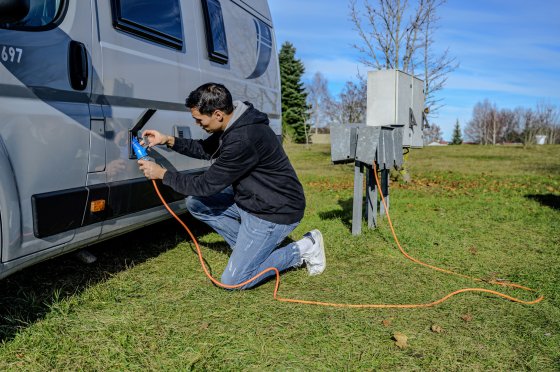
pixel 250 194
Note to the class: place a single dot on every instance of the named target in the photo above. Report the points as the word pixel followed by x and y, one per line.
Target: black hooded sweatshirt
pixel 252 160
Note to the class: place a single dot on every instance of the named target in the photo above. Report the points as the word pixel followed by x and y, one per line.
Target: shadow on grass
pixel 548 200
pixel 28 295
pixel 344 214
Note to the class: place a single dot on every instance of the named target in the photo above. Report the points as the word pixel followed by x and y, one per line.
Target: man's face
pixel 212 123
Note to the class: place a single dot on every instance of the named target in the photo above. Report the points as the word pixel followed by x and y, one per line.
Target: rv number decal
pixel 11 54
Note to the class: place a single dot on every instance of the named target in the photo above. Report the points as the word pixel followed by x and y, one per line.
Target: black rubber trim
pixel 136 195
pixel 58 211
pixel 64 210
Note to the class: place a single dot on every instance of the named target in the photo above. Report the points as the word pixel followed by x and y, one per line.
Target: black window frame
pixel 143 31
pixel 57 20
pixel 220 55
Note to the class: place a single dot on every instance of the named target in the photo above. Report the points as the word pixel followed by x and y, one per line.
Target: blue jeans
pixel 253 241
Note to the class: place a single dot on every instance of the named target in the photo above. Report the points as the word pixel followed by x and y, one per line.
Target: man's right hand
pixel 156 138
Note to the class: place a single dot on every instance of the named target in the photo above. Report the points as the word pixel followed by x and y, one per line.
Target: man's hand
pixel 151 170
pixel 156 138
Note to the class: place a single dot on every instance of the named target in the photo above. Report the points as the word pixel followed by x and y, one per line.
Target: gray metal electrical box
pixel 344 140
pixel 395 97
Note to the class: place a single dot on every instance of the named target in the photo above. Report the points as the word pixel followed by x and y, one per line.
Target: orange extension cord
pixel 378 306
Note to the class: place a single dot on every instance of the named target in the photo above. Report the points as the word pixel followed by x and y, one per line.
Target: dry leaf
pixel 436 328
pixel 473 251
pixel 386 322
pixel 204 325
pixel 467 317
pixel 400 340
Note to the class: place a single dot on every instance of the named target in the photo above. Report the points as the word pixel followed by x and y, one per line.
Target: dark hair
pixel 210 97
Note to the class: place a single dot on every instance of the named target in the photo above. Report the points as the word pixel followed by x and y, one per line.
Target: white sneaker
pixel 314 257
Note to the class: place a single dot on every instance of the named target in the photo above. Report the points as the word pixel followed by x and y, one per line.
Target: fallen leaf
pixel 204 325
pixel 436 328
pixel 386 322
pixel 473 251
pixel 467 317
pixel 400 340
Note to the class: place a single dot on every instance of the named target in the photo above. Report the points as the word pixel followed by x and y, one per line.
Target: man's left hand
pixel 151 170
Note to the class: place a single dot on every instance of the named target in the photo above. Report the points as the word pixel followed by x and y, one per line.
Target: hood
pixel 251 116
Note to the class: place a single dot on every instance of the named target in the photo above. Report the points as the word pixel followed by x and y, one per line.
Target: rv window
pixel 155 20
pixel 215 31
pixel 42 13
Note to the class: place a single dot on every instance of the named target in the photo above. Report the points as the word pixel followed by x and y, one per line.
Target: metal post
pixel 385 190
pixel 358 195
pixel 371 197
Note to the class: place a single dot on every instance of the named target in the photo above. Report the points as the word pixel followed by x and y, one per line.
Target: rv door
pixel 45 127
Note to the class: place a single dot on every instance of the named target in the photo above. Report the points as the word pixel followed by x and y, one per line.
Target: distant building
pixel 438 143
pixel 541 139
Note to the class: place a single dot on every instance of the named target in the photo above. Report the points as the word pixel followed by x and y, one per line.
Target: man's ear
pixel 219 115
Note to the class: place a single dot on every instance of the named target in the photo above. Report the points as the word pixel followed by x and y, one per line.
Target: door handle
pixel 77 65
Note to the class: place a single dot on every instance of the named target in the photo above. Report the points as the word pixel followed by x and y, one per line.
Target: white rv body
pixel 76 79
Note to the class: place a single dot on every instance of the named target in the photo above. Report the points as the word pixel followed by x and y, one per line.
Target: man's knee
pixel 231 278
pixel 194 205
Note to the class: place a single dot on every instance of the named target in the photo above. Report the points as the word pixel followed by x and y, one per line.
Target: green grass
pixel 490 212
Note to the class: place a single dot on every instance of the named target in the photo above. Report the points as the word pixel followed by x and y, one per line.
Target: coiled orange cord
pixel 378 306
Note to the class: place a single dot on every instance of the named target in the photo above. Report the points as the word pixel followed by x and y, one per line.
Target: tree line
pixel 490 125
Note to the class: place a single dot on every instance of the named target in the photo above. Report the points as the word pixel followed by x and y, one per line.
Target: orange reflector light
pixel 97 206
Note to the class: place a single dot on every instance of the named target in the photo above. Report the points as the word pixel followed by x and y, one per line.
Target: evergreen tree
pixel 294 96
pixel 457 137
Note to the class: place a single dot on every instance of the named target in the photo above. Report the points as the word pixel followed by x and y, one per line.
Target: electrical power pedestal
pixel 395 123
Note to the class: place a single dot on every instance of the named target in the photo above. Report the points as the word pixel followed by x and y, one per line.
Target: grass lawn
pixel 489 212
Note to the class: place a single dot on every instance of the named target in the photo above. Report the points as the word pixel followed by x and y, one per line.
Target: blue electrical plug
pixel 140 151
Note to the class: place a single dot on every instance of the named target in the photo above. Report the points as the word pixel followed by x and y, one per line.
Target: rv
pixel 80 78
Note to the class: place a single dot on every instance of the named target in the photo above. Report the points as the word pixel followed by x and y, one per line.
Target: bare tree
pixel 547 121
pixel 351 104
pixel 544 120
pixel 394 36
pixel 436 66
pixel 509 123
pixel 490 125
pixel 528 121
pixel 318 98
pixel 432 134
pixel 481 128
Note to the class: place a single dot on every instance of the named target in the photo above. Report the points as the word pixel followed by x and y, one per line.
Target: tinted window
pixel 215 31
pixel 41 14
pixel 156 20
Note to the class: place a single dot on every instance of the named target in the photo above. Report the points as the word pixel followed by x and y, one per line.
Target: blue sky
pixel 508 50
